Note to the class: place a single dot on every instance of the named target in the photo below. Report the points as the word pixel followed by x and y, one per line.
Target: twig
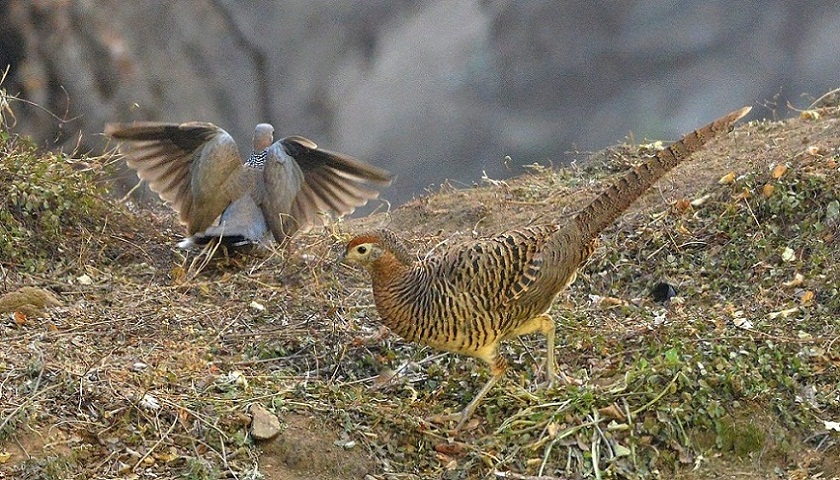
pixel 658 397
pixel 519 476
pixel 157 444
pixel 826 94
pixel 596 446
pixel 130 192
pixel 25 404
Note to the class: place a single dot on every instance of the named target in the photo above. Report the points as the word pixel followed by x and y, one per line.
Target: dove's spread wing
pixel 188 165
pixel 332 182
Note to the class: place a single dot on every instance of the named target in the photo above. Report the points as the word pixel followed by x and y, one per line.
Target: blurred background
pixel 430 89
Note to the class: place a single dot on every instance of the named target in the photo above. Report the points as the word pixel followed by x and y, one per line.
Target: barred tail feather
pixel 609 205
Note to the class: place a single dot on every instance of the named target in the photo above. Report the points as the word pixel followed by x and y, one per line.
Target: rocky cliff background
pixel 431 89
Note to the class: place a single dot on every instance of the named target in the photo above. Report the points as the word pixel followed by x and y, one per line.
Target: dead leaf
pixel 700 201
pixel 178 275
pixel 807 297
pixel 788 255
pixel 20 319
pixel 612 411
pixel 809 115
pixel 553 428
pixel 813 151
pixel 745 194
pixel 184 416
pixel 453 449
pixel 167 457
pixel 611 301
pixel 798 278
pixel 621 450
pixel 727 179
pixel 782 313
pixel 742 322
pixel 767 190
pixel 5 456
pixel 384 378
pixel 682 205
pixel 778 171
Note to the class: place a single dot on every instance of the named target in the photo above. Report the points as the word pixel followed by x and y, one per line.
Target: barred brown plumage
pixel 473 296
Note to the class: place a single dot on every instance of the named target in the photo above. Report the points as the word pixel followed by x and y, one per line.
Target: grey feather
pixel 196 169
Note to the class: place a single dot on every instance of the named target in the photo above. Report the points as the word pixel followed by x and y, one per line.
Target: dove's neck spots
pixel 257 160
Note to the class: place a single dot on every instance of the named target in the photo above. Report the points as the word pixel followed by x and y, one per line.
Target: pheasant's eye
pixel 361 249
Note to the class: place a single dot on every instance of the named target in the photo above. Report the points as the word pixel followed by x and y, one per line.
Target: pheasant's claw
pixel 462 417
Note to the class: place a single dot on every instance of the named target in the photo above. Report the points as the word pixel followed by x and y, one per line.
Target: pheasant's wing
pixel 332 182
pixel 188 165
pixel 508 263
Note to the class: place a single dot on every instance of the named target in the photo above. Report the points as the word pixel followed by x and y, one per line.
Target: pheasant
pixel 282 186
pixel 471 297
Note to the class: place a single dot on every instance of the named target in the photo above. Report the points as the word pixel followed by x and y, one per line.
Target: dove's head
pixel 263 137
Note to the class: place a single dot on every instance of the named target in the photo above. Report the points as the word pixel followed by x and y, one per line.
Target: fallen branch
pixel 519 476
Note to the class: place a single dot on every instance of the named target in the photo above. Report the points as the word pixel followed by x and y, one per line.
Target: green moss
pixel 739 436
pixel 56 467
pixel 55 210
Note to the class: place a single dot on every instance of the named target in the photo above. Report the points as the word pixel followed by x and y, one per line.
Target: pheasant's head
pixel 363 250
pixel 366 250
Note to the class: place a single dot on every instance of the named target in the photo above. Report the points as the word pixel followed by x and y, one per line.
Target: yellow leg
pixel 497 369
pixel 548 329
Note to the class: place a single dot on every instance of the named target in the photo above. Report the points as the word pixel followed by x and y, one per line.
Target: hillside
pixel 129 360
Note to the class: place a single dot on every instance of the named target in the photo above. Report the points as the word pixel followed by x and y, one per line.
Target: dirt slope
pixel 148 367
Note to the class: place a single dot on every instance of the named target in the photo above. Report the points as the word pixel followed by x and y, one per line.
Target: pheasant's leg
pixel 548 329
pixel 497 369
pixel 468 411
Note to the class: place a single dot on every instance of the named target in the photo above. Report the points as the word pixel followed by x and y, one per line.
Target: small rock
pixel 264 424
pixel 31 301
pixel 257 306
pixel 662 292
pixel 139 366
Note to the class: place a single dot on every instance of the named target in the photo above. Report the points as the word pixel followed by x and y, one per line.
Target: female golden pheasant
pixel 473 296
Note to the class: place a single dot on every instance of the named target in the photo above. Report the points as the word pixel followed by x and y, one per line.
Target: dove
pixel 281 187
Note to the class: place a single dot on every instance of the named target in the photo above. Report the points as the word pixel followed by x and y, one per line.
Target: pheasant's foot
pixel 556 378
pixel 383 333
pixel 443 419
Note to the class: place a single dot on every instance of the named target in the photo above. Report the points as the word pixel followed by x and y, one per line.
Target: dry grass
pixel 149 366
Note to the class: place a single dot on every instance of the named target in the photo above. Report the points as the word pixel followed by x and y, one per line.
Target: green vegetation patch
pixel 55 210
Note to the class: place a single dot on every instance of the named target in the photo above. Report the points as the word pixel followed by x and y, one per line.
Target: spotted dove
pixel 282 186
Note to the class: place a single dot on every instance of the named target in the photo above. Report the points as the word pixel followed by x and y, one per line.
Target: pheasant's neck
pixel 387 270
pixel 394 284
